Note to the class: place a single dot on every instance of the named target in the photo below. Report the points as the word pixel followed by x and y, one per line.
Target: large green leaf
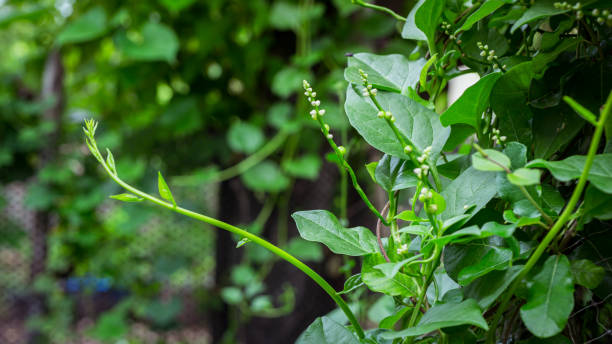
pixel 473 102
pixel 550 298
pixel 393 73
pixel 390 284
pixel 322 226
pixel 326 331
pixel 565 170
pixel 556 126
pixel 487 289
pixel 91 24
pixel 244 137
pixel 266 176
pixel 419 124
pixel 495 161
pixel 472 188
pixel 509 99
pixel 393 173
pixel 465 263
pixel 597 204
pixel 156 42
pixel 444 315
pixel 539 9
pixel 483 11
pixel 587 273
pixel 423 20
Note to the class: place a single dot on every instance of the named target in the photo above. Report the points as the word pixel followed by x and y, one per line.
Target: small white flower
pixel 417 171
pixel 407 149
pixel 330 136
pixel 322 112
pixel 432 208
pixel 374 91
pixel 313 112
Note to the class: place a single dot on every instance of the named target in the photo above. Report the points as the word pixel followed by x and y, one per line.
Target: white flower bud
pixel 313 112
pixel 317 102
pixel 342 150
pixel 330 136
pixel 432 208
pixel 483 53
pixel 427 149
pixel 407 149
pixel 322 112
pixel 314 94
pixel 503 138
pixel 417 171
pixel 326 126
pixel 381 114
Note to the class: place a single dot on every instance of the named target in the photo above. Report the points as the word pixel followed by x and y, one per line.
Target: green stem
pixel 379 8
pixel 561 221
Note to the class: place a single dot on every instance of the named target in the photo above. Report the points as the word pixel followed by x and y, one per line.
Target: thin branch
pixel 378 236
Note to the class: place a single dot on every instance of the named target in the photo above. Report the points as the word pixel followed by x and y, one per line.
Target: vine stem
pixel 379 8
pixel 252 237
pixel 561 221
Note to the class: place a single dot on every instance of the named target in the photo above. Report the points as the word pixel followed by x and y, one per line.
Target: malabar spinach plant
pixel 497 204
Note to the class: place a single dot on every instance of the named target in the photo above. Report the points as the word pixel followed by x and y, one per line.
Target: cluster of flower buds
pixel 368 90
pixel 402 249
pixel 569 7
pixel 425 197
pixel 489 55
pixel 447 29
pixel 422 171
pixel 603 16
pixel 496 138
pixel 314 113
pixel 386 114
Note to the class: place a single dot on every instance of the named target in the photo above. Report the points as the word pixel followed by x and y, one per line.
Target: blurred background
pixel 209 93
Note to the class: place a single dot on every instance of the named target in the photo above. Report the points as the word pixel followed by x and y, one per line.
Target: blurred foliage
pixel 205 85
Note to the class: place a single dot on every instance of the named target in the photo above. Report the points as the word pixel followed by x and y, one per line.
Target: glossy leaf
pixel 581 110
pixel 509 99
pixel 488 288
pixel 326 331
pixel 351 284
pixel 550 298
pixel 556 127
pixel 586 273
pixel 393 173
pixel 442 316
pixel 473 102
pixel 540 9
pixel 322 226
pixel 571 168
pixel 472 188
pixel 126 197
pixel 394 73
pixel 485 164
pixel 419 124
pixel 423 20
pixel 164 190
pixel 464 263
pixel 376 280
pixel 483 11
pixel 305 250
pixel 524 176
pixel 597 204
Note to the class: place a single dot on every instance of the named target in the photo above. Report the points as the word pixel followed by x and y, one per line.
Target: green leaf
pixel 524 176
pixel 376 280
pixel 305 250
pixel 126 197
pixel 371 168
pixel 164 190
pixel 326 331
pixel 550 298
pixel 156 42
pixel 266 176
pixel 472 188
pixel 352 283
pixel 393 173
pixel 473 102
pixel 556 127
pixel 391 269
pixel 322 226
pixel 597 204
pixel 464 263
pixel 422 21
pixel 517 152
pixel 485 164
pixel 409 215
pixel 306 167
pixel 419 124
pixel 394 73
pixel 483 11
pixel 586 273
pixel 488 288
pixel 290 16
pixel 244 137
pixel 442 316
pixel 540 9
pixel 581 110
pixel 390 321
pixel 90 25
pixel 509 100
pixel 565 170
pixel 231 295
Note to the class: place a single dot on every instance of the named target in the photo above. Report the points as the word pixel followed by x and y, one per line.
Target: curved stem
pixel 233 229
pixel 561 221
pixel 379 8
